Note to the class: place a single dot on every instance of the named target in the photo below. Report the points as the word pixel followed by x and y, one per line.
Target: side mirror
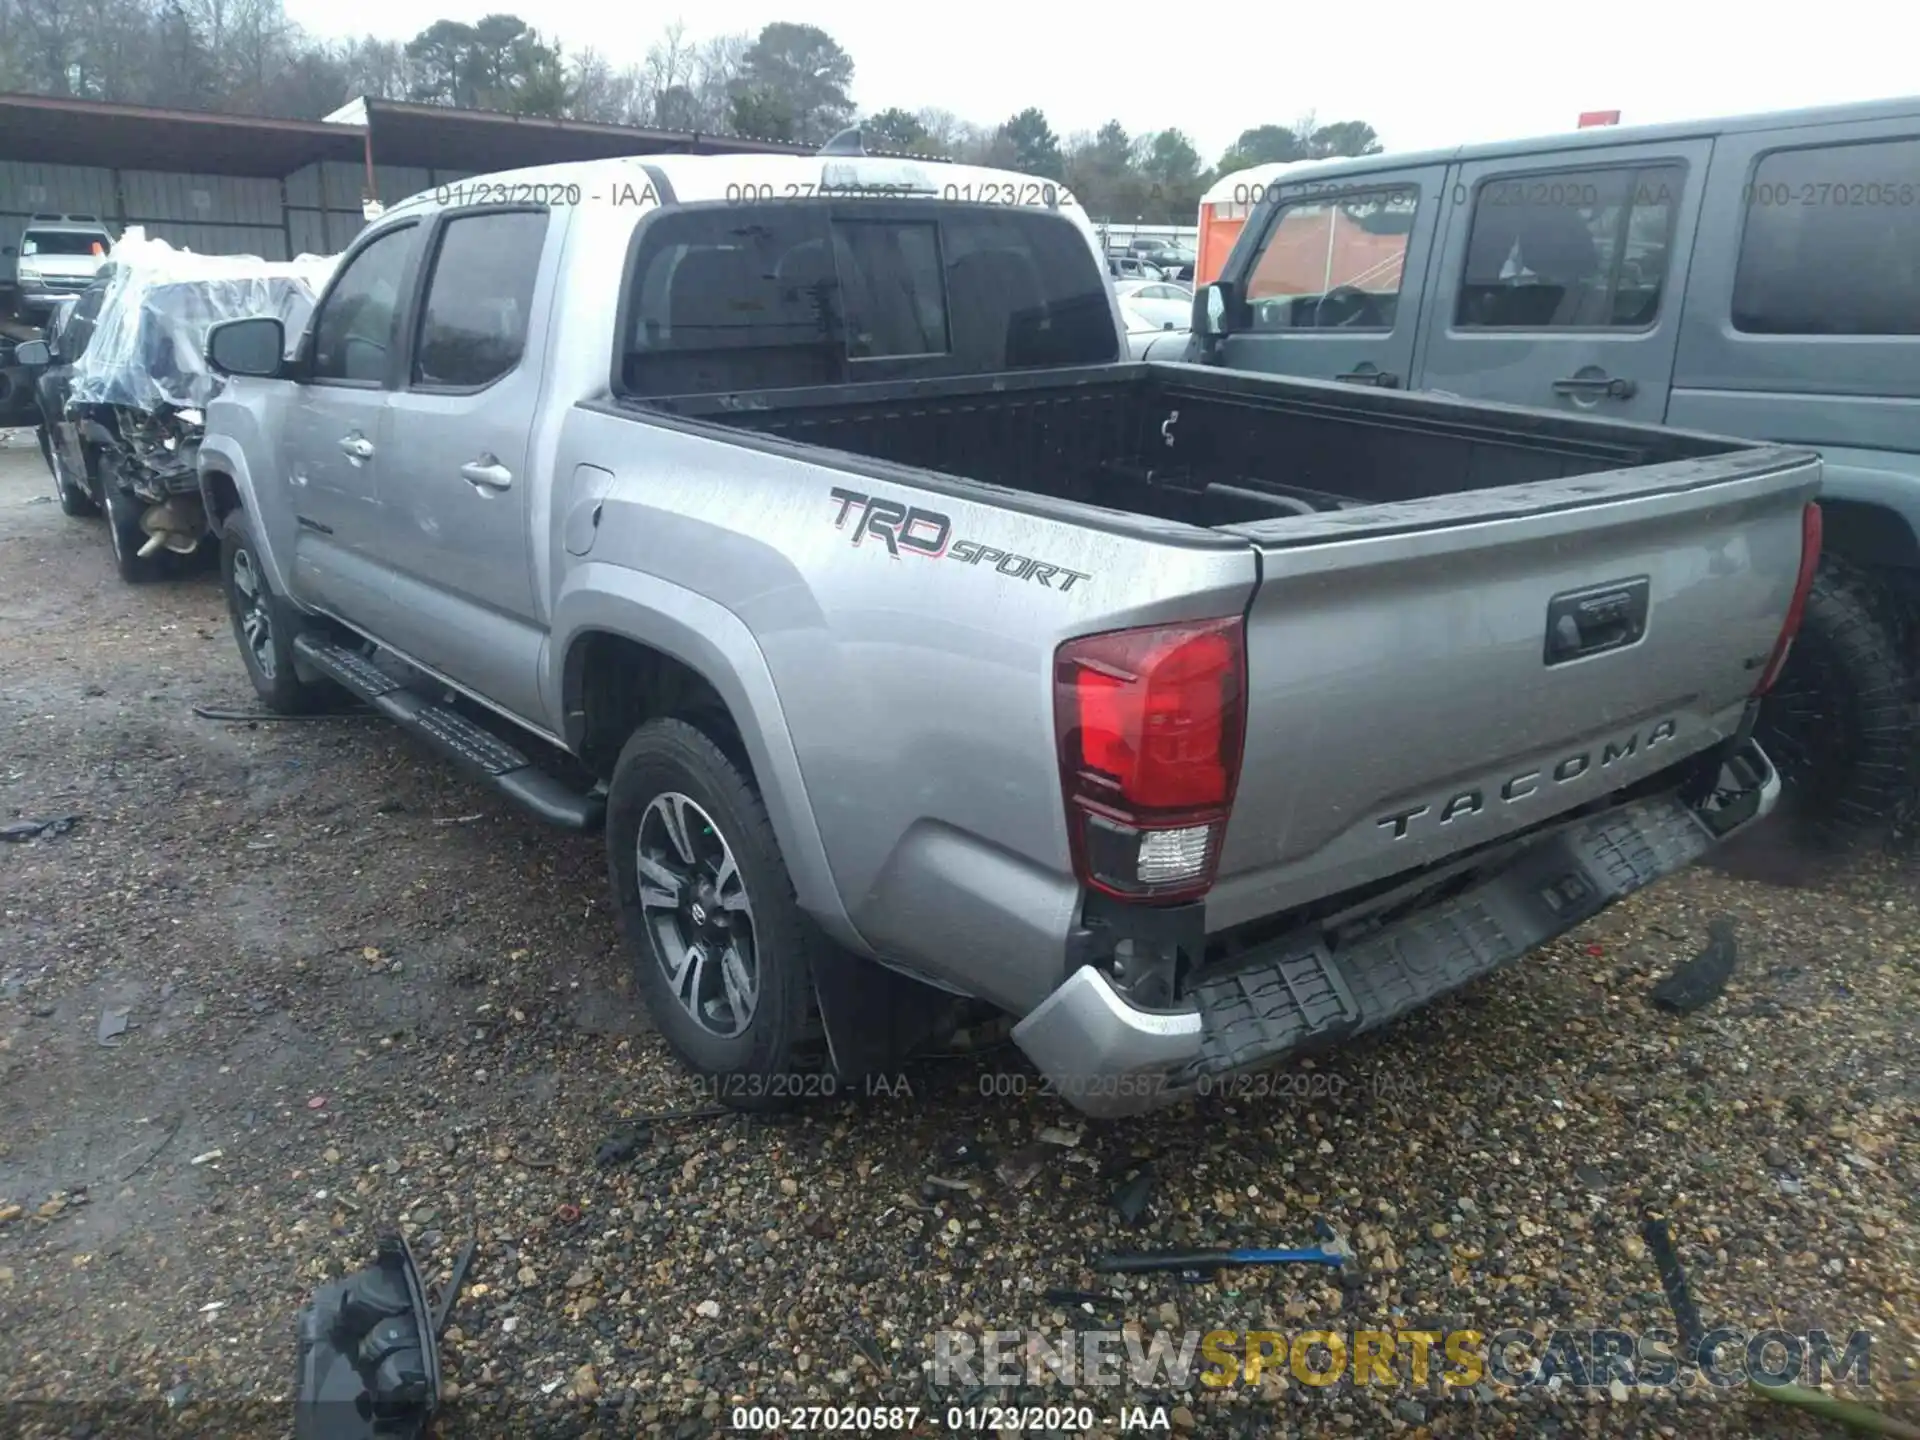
pixel 32 354
pixel 250 346
pixel 1217 309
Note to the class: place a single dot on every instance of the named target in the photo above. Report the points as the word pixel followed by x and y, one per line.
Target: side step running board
pixel 476 749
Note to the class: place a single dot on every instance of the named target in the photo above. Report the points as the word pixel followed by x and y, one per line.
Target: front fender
pixel 716 644
pixel 223 454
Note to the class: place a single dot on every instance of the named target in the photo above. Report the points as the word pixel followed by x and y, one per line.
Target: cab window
pixel 1334 260
pixel 1831 242
pixel 1576 249
pixel 353 336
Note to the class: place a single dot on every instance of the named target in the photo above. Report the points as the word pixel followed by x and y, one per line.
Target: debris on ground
pixel 113 1024
pixel 1019 1168
pixel 620 1147
pixel 19 831
pixel 1702 979
pixel 1134 1194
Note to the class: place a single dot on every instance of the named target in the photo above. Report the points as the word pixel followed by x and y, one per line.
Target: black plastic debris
pixel 369 1352
pixel 1702 979
pixel 620 1147
pixel 21 831
pixel 1133 1196
pixel 113 1024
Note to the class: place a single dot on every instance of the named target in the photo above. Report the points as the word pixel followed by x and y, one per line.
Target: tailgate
pixel 1428 676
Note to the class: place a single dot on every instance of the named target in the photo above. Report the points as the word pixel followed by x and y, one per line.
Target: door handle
pixel 1598 386
pixel 357 446
pixel 1385 379
pixel 486 472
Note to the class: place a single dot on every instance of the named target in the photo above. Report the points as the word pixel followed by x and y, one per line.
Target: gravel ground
pixel 357 988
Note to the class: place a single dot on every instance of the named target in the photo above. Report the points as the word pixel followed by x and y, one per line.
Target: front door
pixel 1561 277
pixel 333 443
pixel 1333 286
pixel 457 544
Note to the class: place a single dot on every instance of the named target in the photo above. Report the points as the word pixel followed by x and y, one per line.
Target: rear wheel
pixel 722 952
pixel 1840 721
pixel 264 626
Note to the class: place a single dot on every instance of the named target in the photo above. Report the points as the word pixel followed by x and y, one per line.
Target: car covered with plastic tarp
pixel 138 392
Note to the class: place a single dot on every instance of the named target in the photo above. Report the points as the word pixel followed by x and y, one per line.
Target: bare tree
pixel 672 62
pixel 716 68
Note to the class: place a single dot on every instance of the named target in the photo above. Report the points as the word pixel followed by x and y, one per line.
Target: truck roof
pixel 70 226
pixel 1595 137
pixel 693 178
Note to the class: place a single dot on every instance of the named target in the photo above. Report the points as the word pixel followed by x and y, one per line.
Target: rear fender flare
pixel 715 644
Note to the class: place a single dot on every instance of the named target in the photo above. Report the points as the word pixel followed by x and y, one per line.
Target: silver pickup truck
pixel 800 522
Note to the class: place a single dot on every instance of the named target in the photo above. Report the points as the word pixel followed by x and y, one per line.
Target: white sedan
pixel 1156 303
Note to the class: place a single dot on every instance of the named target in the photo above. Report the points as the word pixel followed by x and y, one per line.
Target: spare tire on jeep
pixel 1839 723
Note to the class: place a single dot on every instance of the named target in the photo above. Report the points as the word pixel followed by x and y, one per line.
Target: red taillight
pixel 1150 724
pixel 1802 586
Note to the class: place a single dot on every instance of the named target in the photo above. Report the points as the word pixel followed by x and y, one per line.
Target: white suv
pixel 59 256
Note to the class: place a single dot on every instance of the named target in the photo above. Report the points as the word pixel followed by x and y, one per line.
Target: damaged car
pixel 125 406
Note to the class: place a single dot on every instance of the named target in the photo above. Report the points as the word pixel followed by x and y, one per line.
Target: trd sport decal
pixel 929 533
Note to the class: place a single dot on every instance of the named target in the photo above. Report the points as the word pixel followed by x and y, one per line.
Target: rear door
pixel 456 542
pixel 1333 284
pixel 1561 276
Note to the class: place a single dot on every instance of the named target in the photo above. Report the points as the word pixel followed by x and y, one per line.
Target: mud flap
pixel 369 1358
pixel 873 1017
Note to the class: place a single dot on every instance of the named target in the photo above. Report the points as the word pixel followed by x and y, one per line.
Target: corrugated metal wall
pixel 316 210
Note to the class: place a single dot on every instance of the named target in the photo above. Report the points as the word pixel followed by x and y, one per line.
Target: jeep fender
pixel 1878 481
pixel 715 644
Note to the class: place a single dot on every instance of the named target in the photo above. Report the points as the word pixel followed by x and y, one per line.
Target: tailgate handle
pixel 1592 621
pixel 1599 386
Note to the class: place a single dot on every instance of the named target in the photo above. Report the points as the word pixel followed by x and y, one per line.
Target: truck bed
pixel 1465 619
pixel 1202 447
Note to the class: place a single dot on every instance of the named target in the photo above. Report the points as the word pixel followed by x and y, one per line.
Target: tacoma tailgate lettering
pixel 1473 801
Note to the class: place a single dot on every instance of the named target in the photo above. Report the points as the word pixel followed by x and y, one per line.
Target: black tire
pixel 265 626
pixel 124 534
pixel 775 1058
pixel 1839 724
pixel 76 499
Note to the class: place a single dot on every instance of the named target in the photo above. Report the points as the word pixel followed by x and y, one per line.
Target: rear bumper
pixel 1111 1058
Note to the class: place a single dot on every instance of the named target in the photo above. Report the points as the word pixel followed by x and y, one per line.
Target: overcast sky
pixel 1423 74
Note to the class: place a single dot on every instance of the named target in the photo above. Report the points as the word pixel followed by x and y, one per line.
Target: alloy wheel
pixel 256 625
pixel 699 917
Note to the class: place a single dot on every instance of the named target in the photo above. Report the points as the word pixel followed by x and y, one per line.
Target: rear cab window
pixel 730 297
pixel 479 299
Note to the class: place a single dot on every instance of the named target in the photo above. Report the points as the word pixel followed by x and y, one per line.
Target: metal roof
pixel 480 141
pixel 54 130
